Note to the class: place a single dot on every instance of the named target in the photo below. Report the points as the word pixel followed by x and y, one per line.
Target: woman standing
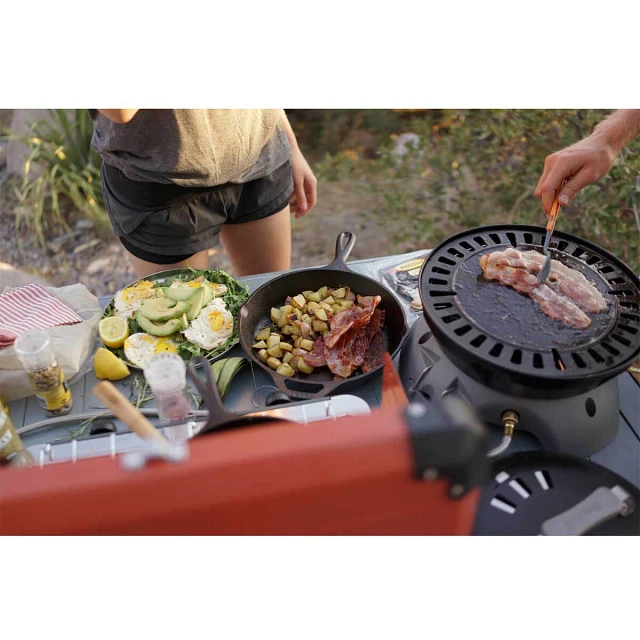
pixel 176 181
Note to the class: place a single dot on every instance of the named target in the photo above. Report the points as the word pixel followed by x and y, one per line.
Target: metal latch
pixel 601 505
pixel 154 449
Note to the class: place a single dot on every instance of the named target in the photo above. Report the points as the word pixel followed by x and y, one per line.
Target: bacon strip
pixel 570 282
pixel 510 269
pixel 375 353
pixel 316 357
pixel 356 316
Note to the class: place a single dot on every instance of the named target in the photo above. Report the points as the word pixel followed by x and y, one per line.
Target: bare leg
pixel 143 268
pixel 260 246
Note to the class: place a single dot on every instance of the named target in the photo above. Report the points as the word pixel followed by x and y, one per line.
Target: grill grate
pixel 484 324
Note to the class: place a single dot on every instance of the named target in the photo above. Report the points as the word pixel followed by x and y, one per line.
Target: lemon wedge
pixel 113 331
pixel 108 366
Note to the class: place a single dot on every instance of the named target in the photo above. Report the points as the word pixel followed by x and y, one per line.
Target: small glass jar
pixel 35 352
pixel 166 374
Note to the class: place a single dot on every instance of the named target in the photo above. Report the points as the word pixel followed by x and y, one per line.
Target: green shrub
pixel 477 167
pixel 69 170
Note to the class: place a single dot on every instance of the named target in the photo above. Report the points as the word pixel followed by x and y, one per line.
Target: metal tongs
pixel 551 225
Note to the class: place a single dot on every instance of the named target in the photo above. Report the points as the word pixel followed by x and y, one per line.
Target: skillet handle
pixel 208 389
pixel 342 251
pixel 288 387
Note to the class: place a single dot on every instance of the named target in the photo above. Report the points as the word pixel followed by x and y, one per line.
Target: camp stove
pixel 580 425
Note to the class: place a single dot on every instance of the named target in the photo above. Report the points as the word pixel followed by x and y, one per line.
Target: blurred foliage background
pixel 432 172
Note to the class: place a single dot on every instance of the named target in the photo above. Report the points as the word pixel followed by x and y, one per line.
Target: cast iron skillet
pixel 219 418
pixel 255 314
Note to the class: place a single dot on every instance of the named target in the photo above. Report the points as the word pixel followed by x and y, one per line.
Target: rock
pixel 83 225
pixel 404 143
pixel 97 265
pixel 56 244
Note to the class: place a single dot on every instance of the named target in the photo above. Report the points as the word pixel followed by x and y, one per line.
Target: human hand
pixel 580 164
pixel 305 185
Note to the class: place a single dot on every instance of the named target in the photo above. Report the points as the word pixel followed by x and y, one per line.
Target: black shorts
pixel 166 223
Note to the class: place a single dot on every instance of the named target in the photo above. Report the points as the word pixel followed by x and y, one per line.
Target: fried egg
pixel 128 301
pixel 212 327
pixel 139 347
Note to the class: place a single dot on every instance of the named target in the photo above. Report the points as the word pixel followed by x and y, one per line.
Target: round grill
pixel 502 338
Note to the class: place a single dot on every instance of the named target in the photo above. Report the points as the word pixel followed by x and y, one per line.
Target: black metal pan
pixel 255 313
pixel 503 339
pixel 219 418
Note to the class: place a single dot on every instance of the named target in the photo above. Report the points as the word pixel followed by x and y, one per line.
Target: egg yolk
pixel 141 290
pixel 216 321
pixel 165 347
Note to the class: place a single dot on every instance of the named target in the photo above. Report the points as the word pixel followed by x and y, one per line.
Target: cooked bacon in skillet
pixel 316 358
pixel 353 347
pixel 375 353
pixel 356 316
pixel 510 268
pixel 570 282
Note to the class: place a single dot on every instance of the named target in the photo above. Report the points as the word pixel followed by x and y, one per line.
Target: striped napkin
pixel 31 307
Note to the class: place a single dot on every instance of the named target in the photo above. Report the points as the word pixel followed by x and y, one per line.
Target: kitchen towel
pixel 31 307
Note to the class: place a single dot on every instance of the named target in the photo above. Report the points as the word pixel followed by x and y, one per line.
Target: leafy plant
pixel 69 169
pixel 475 167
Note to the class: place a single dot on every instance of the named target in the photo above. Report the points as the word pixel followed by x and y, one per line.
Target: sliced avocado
pixel 181 293
pixel 162 309
pixel 164 329
pixel 196 301
pixel 185 322
pixel 208 294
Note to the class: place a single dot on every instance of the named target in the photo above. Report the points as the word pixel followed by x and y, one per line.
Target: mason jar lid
pixel 34 349
pixel 165 372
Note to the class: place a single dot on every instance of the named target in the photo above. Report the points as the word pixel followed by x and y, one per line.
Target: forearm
pixel 619 128
pixel 289 131
pixel 119 116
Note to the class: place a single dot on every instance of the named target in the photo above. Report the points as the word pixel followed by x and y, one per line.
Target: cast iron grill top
pixel 507 329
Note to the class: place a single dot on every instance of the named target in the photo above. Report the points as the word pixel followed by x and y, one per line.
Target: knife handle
pixel 125 411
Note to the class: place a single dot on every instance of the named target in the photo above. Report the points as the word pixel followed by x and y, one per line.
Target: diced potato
pixel 282 321
pixel 287 357
pixel 263 355
pixel 339 293
pixel 307 293
pixel 285 346
pixel 286 330
pixel 275 314
pixel 296 343
pixel 312 306
pixel 312 334
pixel 263 334
pixel 285 370
pixel 345 304
pixel 320 326
pixel 307 345
pixel 314 297
pixel 306 318
pixel 321 314
pixel 298 351
pixel 299 301
pixel 327 307
pixel 329 300
pixel 260 345
pixel 286 310
pixel 273 363
pixel 304 367
pixel 335 309
pixel 324 292
pixel 324 334
pixel 273 340
pixel 275 352
pixel 295 330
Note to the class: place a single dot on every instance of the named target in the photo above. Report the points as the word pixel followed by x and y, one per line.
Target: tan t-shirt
pixel 194 147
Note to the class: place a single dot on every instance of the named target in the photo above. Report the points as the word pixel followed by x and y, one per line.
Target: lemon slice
pixel 113 331
pixel 108 366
